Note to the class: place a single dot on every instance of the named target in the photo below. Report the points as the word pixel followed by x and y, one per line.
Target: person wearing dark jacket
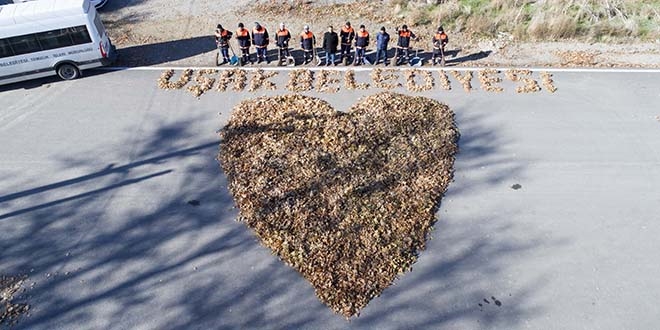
pixel 260 41
pixel 403 44
pixel 440 39
pixel 307 43
pixel 382 39
pixel 222 37
pixel 346 34
pixel 330 43
pixel 283 37
pixel 361 43
pixel 243 37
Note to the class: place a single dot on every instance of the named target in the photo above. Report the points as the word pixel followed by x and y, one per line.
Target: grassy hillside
pixel 535 20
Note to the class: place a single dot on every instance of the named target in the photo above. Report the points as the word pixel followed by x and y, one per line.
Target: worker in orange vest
pixel 346 36
pixel 222 37
pixel 244 42
pixel 260 41
pixel 307 43
pixel 283 37
pixel 361 43
pixel 440 39
pixel 403 44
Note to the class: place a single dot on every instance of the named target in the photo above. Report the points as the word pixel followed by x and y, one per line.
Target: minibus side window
pixel 54 39
pixel 79 35
pixel 5 49
pixel 24 44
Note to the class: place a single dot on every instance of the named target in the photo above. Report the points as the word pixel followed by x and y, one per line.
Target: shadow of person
pixel 470 57
pixel 163 52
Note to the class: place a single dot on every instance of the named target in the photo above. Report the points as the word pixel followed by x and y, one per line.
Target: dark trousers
pixel 345 51
pixel 381 53
pixel 261 53
pixel 308 53
pixel 437 53
pixel 401 52
pixel 284 51
pixel 245 54
pixel 224 50
pixel 359 54
pixel 329 58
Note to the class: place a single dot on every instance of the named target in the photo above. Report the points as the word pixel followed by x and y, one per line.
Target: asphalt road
pixel 96 175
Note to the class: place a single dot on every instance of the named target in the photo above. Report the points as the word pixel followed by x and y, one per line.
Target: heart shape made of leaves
pixel 347 199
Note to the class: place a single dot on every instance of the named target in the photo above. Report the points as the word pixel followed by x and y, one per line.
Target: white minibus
pixel 48 37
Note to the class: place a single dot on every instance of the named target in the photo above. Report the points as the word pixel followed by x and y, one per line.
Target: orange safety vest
pixel 307 35
pixel 404 34
pixel 361 34
pixel 282 33
pixel 441 36
pixel 242 33
pixel 348 30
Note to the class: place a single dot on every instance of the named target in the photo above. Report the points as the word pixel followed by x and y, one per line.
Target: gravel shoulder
pixel 172 33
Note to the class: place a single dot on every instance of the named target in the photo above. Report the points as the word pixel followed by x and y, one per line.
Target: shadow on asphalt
pixel 163 52
pixel 47 81
pixel 169 264
pixel 467 58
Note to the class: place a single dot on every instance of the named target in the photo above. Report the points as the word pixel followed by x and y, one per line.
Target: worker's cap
pixel 440 29
pixel 219 27
pixel 348 23
pixel 382 28
pixel 306 27
pixel 330 26
pixel 405 27
pixel 362 26
pixel 256 24
pixel 240 25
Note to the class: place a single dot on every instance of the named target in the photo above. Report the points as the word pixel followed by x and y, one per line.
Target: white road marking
pixel 358 69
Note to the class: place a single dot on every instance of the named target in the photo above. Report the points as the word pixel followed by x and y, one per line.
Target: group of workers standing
pixel 332 42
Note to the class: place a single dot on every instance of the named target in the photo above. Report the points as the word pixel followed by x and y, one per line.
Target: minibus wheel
pixel 68 71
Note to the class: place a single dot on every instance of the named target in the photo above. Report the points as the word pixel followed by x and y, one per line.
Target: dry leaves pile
pixel 236 76
pixel 204 83
pixel 347 199
pixel 351 84
pixel 488 79
pixel 327 81
pixel 165 83
pixel 464 79
pixel 529 85
pixel 577 58
pixel 444 81
pixel 548 83
pixel 261 80
pixel 412 85
pixel 385 79
pixel 300 80
pixel 9 311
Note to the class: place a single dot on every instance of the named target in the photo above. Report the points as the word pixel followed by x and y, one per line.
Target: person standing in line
pixel 330 44
pixel 440 39
pixel 307 43
pixel 403 44
pixel 382 39
pixel 347 34
pixel 283 37
pixel 222 37
pixel 260 41
pixel 361 43
pixel 243 37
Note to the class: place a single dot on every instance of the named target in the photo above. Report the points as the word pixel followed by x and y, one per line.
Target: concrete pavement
pixel 97 175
